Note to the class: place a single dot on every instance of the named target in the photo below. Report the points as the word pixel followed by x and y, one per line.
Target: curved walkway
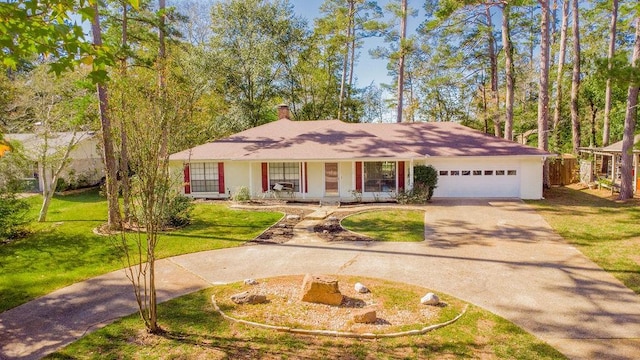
pixel 499 255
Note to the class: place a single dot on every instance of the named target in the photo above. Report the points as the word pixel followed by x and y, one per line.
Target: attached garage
pixel 487 177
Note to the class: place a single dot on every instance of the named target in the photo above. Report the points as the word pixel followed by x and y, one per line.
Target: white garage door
pixel 492 180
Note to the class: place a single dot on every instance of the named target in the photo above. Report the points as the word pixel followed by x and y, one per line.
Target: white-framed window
pixel 379 176
pixel 287 175
pixel 204 177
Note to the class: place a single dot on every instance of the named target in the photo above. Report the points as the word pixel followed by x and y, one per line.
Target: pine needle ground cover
pixel 64 249
pixel 194 330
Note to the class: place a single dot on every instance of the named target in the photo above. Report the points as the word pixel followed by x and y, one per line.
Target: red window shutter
pixel 306 177
pixel 187 179
pixel 400 175
pixel 221 188
pixel 265 177
pixel 359 176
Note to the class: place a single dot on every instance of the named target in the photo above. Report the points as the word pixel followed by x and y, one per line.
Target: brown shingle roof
pixel 333 139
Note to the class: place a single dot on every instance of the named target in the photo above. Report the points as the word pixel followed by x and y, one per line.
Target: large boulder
pixel 321 290
pixel 248 298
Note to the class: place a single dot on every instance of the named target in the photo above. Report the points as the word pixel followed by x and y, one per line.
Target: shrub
pixel 13 210
pixel 178 211
pixel 241 194
pixel 425 177
pixel 62 185
pixel 357 195
pixel 13 217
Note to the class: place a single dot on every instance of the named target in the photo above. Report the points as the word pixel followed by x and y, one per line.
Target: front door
pixel 331 179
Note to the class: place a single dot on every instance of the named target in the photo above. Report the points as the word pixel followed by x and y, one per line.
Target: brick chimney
pixel 283 112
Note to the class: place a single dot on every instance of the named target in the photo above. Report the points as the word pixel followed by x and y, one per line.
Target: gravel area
pixel 285 309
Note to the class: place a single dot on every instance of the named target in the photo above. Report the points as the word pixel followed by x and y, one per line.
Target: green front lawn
pixel 63 250
pixel 606 231
pixel 388 225
pixel 195 331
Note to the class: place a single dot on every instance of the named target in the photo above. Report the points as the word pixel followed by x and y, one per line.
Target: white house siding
pixel 236 175
pixel 490 177
pixel 346 177
pixel 315 180
pixel 531 178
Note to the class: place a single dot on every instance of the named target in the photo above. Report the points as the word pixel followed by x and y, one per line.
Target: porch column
pixel 304 180
pixel 410 182
pixel 251 178
pixel 613 168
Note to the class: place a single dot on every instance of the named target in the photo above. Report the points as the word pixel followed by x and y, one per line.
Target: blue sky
pixel 367 70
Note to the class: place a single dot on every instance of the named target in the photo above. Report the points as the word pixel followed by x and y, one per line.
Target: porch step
pixel 335 202
pixel 322 213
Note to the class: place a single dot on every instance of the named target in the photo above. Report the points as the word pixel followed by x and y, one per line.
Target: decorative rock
pixel 361 288
pixel 250 282
pixel 365 316
pixel 282 225
pixel 247 298
pixel 321 290
pixel 430 299
pixel 325 231
pixel 293 217
pixel 332 218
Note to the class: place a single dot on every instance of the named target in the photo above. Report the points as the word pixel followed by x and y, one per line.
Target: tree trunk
pixel 113 213
pixel 626 167
pixel 508 66
pixel 543 88
pixel 352 57
pixel 493 61
pixel 124 152
pixel 49 187
pixel 403 36
pixel 156 190
pixel 575 80
pixel 561 59
pixel 594 114
pixel 345 63
pixel 607 96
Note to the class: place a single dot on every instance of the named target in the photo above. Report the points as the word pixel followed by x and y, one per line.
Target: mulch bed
pixel 328 230
pixel 282 231
pixel 331 230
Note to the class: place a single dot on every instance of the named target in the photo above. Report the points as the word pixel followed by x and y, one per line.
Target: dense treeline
pixel 550 73
pixel 476 62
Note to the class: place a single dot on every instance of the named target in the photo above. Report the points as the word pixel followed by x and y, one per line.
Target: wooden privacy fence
pixel 563 170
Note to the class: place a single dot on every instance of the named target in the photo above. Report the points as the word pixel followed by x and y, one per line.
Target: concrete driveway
pixel 499 255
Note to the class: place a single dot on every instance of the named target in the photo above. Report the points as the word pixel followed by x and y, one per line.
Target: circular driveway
pixel 499 255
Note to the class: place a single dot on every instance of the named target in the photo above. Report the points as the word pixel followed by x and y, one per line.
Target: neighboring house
pixel 330 159
pixel 85 166
pixel 604 164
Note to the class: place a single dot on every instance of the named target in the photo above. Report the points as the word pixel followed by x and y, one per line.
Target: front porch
pixel 366 180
